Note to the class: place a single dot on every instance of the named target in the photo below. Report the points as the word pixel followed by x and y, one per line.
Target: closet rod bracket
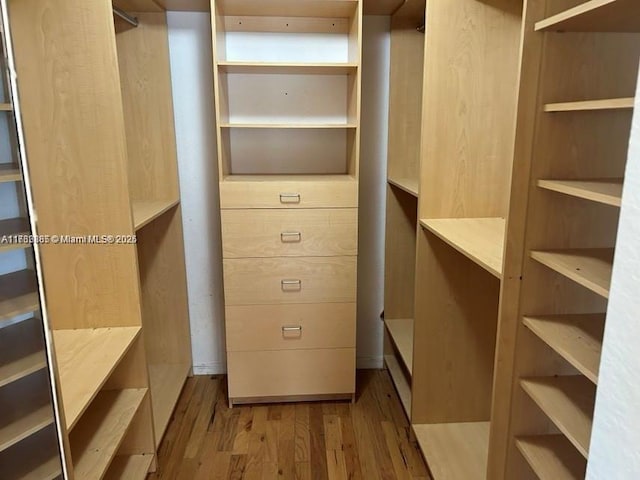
pixel 125 16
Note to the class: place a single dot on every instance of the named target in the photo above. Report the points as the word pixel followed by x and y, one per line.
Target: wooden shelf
pixel 6 107
pixel 23 351
pixel 455 451
pixel 18 294
pixel 407 184
pixel 596 16
pixel 289 178
pixel 552 457
pixel 401 332
pixel 291 8
pixel 35 458
pixel 95 441
pixel 291 126
pixel 590 105
pixel 145 212
pixel 607 191
pixel 15 429
pixel 400 381
pixel 288 68
pixel 479 239
pixel 568 402
pixel 86 359
pixel 129 467
pixel 576 338
pixel 590 268
pixel 13 226
pixel 166 382
pixel 10 173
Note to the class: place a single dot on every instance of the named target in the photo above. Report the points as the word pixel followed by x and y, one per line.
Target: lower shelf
pixel 552 457
pixel 401 332
pixel 400 381
pixel 166 382
pixel 129 467
pixel 455 451
pixel 35 458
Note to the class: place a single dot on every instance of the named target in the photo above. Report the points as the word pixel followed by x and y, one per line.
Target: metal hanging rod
pixel 125 16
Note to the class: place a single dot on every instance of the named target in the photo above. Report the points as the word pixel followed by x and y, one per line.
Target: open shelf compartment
pixel 607 191
pixel 552 457
pixel 595 16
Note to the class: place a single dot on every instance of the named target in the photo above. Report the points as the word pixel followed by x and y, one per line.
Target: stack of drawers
pixel 290 261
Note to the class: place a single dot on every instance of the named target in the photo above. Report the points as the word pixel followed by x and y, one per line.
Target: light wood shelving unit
pixel 570 156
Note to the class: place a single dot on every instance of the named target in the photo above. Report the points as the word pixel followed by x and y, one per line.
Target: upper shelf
pixel 288 68
pixel 288 125
pixel 86 359
pixel 9 173
pixel 145 212
pixel 607 191
pixel 596 16
pixel 289 8
pixel 591 105
pixel 479 239
pixel 409 185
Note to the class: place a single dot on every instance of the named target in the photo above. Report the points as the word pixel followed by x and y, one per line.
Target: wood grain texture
pixel 368 439
pixel 595 16
pixel 23 350
pixel 400 381
pixel 607 191
pixel 401 333
pixel 552 456
pixel 19 294
pixel 130 467
pixel 145 212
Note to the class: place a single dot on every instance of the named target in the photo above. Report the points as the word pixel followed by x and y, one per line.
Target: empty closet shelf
pixel 13 429
pixel 401 332
pixel 400 381
pixel 409 185
pixel 288 68
pixel 9 173
pixel 591 105
pixel 308 8
pixel 479 239
pixel 166 382
pixel 129 467
pixel 552 457
pixel 596 16
pixel 145 212
pixel 607 191
pixel 19 294
pixel 23 351
pixel 289 125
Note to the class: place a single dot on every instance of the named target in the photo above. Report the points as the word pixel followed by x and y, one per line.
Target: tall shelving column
pixel 287 90
pixel 471 54
pixel 77 159
pixel 403 172
pixel 29 441
pixel 579 74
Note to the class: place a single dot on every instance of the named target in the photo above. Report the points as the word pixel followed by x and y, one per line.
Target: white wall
pixel 615 444
pixel 191 69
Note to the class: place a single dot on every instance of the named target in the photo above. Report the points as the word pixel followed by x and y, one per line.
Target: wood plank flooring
pixel 368 440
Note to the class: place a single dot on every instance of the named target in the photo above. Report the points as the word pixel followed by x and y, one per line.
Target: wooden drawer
pixel 339 191
pixel 285 327
pixel 289 233
pixel 291 373
pixel 262 281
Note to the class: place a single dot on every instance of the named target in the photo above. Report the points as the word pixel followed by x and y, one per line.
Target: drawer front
pixel 289 233
pixel 284 327
pixel 291 372
pixel 265 281
pixel 342 192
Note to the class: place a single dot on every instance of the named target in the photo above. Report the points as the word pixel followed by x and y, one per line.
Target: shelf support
pixel 130 19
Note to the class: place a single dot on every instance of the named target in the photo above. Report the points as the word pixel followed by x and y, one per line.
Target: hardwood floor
pixel 367 440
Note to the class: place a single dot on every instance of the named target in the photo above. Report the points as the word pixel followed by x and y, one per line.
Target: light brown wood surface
pixel 259 281
pixel 596 16
pixel 291 373
pixel 18 294
pixel 409 185
pixel 401 333
pixel 22 352
pixel 10 173
pixel 13 226
pixel 608 191
pixel 42 462
pixel 133 467
pixel 310 8
pixel 284 23
pixel 400 381
pixel 260 327
pixel 587 105
pixel 552 456
pixel 165 381
pixel 287 68
pixel 145 212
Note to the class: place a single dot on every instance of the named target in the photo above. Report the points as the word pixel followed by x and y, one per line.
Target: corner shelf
pixel 290 126
pixel 455 451
pixel 23 353
pixel 288 68
pixel 568 401
pixel 596 16
pixel 590 268
pixel 166 382
pixel 401 333
pixel 400 382
pixel 591 105
pixel 129 467
pixel 145 212
pixel 576 338
pixel 606 191
pixel 10 173
pixel 407 184
pixel 19 295
pixel 479 239
pixel 98 436
pixel 86 358
pixel 552 457
pixel 14 430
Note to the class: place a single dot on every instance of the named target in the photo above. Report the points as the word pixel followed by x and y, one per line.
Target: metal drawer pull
pixel 292 332
pixel 289 198
pixel 291 237
pixel 292 329
pixel 291 285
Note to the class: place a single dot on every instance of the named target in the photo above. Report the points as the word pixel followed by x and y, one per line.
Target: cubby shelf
pixel 13 430
pixel 293 8
pixel 98 436
pixel 455 451
pixel 288 68
pixel 590 268
pixel 34 458
pixel 6 107
pixel 409 185
pixel 607 191
pixel 290 125
pixel 479 239
pixel 591 105
pixel 568 401
pixel 129 467
pixel 23 351
pixel 166 382
pixel 86 358
pixel 13 226
pixel 145 212
pixel 400 381
pixel 18 294
pixel 552 457
pixel 576 338
pixel 289 178
pixel 401 332
pixel 596 16
pixel 9 173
